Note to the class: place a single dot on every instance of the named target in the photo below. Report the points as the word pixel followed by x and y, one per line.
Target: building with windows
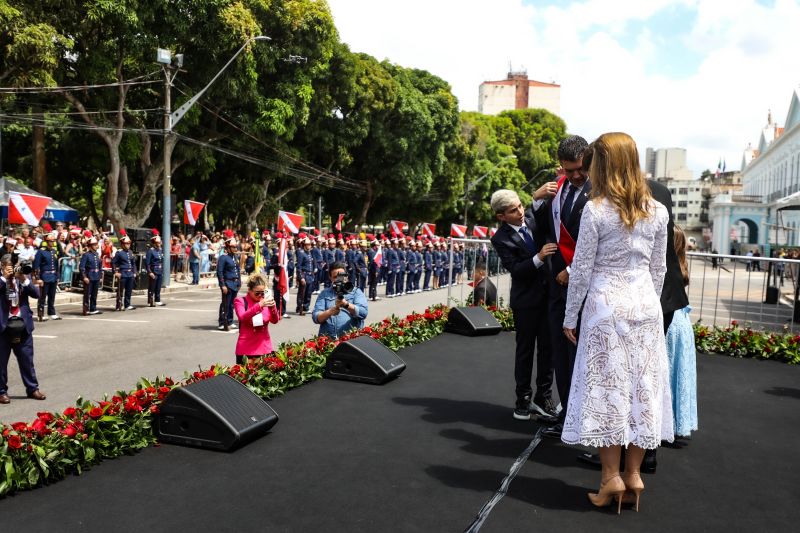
pixel 667 163
pixel 518 92
pixel 689 204
pixel 767 212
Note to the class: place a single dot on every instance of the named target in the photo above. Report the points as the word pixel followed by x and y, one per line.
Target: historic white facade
pixel 767 214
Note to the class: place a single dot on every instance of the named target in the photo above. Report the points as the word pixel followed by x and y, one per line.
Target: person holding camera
pixel 255 311
pixel 16 326
pixel 341 307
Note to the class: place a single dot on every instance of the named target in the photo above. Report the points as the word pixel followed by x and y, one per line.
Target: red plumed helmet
pixel 122 232
pixel 155 232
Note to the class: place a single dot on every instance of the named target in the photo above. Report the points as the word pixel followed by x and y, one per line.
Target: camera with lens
pixel 23 267
pixel 342 287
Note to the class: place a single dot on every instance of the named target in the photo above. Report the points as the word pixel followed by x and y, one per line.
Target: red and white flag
pixel 479 231
pixel 457 230
pixel 398 226
pixel 191 212
pixel 283 281
pixel 290 222
pixel 378 259
pixel 26 208
pixel 429 230
pixel 339 222
pixel 492 231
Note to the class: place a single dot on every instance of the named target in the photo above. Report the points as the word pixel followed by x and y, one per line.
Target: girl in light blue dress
pixel 682 357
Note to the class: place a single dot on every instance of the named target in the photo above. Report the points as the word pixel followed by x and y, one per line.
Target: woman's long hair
pixel 615 174
pixel 680 249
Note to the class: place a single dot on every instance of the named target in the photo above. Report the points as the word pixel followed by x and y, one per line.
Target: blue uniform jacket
pixel 360 262
pixel 392 259
pixel 45 264
pixel 427 260
pixel 124 264
pixel 154 260
pixel 228 272
pixel 304 263
pixel 411 261
pixel 91 267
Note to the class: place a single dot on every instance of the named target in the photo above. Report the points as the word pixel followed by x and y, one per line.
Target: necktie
pixel 528 240
pixel 566 209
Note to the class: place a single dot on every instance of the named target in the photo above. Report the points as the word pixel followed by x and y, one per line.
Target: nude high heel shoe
pixel 611 490
pixel 633 490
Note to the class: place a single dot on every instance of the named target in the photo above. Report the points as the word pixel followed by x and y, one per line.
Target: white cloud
pixel 749 62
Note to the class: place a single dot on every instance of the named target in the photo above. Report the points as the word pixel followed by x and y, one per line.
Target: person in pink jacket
pixel 255 311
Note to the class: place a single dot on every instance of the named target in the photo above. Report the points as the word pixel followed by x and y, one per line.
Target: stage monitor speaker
pixel 773 295
pixel 365 360
pixel 218 413
pixel 472 322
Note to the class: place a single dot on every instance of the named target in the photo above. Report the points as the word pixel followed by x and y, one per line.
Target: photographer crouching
pixel 16 327
pixel 341 307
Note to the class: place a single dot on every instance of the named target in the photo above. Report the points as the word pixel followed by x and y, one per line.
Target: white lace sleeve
pixel 658 258
pixel 582 265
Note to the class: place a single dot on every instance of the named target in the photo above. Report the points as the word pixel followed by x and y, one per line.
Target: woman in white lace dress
pixel 620 394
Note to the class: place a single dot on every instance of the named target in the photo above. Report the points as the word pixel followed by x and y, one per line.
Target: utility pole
pixel 166 200
pixel 319 214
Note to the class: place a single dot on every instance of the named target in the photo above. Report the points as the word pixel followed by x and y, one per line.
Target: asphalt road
pixel 97 355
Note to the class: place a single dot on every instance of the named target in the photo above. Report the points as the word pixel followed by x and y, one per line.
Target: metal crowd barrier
pixel 757 292
pixel 476 251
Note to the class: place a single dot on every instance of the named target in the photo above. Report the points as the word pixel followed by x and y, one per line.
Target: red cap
pixel 122 232
pixel 155 231
pixel 316 232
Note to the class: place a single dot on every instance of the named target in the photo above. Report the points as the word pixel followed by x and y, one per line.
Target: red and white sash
pixel 566 243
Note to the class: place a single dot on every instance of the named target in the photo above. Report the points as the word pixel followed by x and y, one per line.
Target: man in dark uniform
pixel 154 262
pixel 419 267
pixel 316 256
pixel 427 262
pixel 360 262
pixel 45 266
pixel 350 261
pixel 329 257
pixel 411 267
pixel 437 263
pixel 402 262
pixel 92 274
pixel 393 266
pixel 125 271
pixel 383 275
pixel 16 329
pixel 291 258
pixel 469 261
pixel 305 275
pixel 230 280
pixel 373 269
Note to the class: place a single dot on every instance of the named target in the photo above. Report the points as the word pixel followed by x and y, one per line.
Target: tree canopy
pixel 291 119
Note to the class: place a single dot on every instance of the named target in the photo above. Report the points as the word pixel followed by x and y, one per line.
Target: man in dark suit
pixel 523 258
pixel 16 328
pixel 557 209
pixel 484 291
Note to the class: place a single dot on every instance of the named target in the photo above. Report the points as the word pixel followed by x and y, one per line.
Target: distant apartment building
pixel 689 203
pixel 518 92
pixel 667 163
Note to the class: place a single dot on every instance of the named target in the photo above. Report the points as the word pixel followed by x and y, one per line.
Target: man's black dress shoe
pixel 553 432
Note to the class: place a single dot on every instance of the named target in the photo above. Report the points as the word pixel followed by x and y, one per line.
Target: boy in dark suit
pixel 523 258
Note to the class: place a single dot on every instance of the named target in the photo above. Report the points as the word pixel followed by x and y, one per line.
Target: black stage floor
pixel 426 451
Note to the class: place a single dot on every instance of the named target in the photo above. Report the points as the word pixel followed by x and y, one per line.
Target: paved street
pixel 91 356
pixel 731 292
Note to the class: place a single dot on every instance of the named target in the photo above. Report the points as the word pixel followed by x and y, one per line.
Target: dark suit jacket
pixel 528 283
pixel 544 221
pixel 31 291
pixel 673 295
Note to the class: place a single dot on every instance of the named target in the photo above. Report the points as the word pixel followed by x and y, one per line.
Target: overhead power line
pixel 139 80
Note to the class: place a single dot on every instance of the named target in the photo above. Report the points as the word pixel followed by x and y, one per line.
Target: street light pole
pixel 471 184
pixel 171 119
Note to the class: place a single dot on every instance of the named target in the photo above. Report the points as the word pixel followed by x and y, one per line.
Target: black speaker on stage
pixel 365 360
pixel 472 322
pixel 218 413
pixel 772 296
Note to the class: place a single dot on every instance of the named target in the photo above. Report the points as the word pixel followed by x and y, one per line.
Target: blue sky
pixel 697 74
